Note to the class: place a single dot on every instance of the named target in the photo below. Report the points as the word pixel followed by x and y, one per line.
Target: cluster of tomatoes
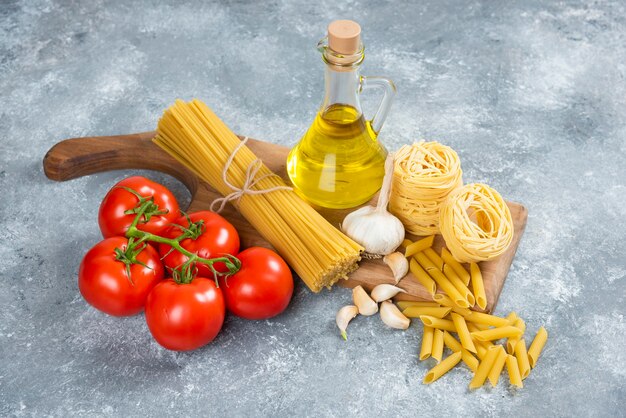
pixel 185 271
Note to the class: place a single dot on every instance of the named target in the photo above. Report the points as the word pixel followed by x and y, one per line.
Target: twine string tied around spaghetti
pixel 251 180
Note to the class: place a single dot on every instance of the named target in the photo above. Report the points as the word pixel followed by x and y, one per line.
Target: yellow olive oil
pixel 339 162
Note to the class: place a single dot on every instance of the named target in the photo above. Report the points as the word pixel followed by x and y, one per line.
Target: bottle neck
pixel 342 87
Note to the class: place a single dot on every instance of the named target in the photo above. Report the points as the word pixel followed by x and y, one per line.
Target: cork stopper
pixel 344 36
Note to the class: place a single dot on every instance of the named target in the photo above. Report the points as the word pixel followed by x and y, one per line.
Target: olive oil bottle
pixel 339 162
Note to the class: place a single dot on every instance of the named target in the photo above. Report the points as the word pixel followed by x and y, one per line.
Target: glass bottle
pixel 339 162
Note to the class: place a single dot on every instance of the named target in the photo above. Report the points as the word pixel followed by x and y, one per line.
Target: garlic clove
pixel 391 315
pixel 398 264
pixel 384 292
pixel 365 304
pixel 343 318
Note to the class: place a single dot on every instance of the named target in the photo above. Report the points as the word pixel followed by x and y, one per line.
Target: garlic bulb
pixel 343 318
pixel 398 264
pixel 391 315
pixel 377 230
pixel 361 299
pixel 384 292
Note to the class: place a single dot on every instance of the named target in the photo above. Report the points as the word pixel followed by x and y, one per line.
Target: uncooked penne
pixel 473 326
pixel 467 357
pixel 483 318
pixel 443 324
pixel 423 277
pixel 417 311
pixel 498 365
pixel 405 243
pixel 497 333
pixel 458 268
pixel 481 351
pixel 534 351
pixel 463 332
pixel 513 370
pixel 441 280
pixel 459 285
pixel 419 245
pixel 478 286
pixel 522 358
pixel 442 368
pixel 446 301
pixel 403 304
pixel 512 341
pixel 437 351
pixel 483 369
pixel 512 317
pixel 434 257
pixel 427 342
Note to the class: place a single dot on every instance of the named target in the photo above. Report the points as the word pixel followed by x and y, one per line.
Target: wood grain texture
pixel 79 157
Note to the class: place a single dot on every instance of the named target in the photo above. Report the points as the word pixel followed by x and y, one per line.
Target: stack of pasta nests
pixel 429 197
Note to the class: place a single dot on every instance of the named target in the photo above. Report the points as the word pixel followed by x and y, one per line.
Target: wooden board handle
pixel 77 157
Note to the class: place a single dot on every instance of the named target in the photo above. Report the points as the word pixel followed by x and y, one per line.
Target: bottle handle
pixel 389 91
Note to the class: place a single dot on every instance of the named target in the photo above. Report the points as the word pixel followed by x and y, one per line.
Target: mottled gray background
pixel 531 94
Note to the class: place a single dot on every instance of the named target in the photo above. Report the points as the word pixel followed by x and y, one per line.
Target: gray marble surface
pixel 531 94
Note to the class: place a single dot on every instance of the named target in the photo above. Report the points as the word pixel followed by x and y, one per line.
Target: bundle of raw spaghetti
pixel 476 223
pixel 319 253
pixel 424 175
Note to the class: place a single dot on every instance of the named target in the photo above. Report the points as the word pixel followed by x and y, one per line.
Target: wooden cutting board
pixel 79 157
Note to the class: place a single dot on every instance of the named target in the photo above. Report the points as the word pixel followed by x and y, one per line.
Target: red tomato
pixel 262 288
pixel 104 283
pixel 219 238
pixel 112 219
pixel 185 316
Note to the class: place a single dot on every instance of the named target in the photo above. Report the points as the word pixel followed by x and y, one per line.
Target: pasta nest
pixel 476 223
pixel 424 175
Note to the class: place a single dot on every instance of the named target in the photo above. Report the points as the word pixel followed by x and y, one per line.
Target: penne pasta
pixel 534 351
pixel 459 285
pixel 423 277
pixel 463 332
pixel 427 342
pixel 498 365
pixel 425 262
pixel 512 317
pixel 403 304
pixel 469 360
pixel 467 357
pixel 458 268
pixel 481 351
pixel 434 257
pixel 419 246
pixel 522 358
pixel 473 327
pixel 417 311
pixel 446 301
pixel 483 369
pixel 405 243
pixel 437 350
pixel 443 324
pixel 483 318
pixel 441 280
pixel 497 333
pixel 512 341
pixel 442 368
pixel 513 370
pixel 451 342
pixel 478 286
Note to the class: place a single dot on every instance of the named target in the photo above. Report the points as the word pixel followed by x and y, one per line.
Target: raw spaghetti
pixel 424 175
pixel 476 223
pixel 319 253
